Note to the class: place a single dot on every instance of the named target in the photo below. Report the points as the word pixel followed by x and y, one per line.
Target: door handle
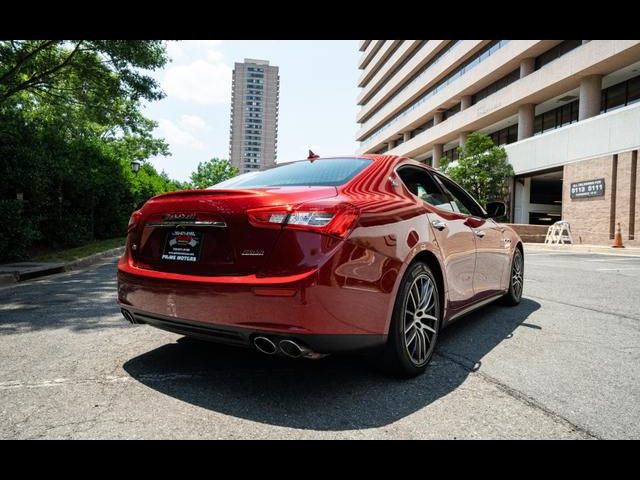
pixel 479 233
pixel 439 224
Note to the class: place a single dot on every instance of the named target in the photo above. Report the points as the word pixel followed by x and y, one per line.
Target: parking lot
pixel 565 363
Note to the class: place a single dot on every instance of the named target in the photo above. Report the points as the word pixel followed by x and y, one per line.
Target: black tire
pixel 398 358
pixel 514 294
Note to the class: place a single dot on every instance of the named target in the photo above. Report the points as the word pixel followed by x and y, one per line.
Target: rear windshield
pixel 328 172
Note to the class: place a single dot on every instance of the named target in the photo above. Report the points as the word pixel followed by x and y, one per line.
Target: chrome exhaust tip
pixel 128 315
pixel 292 349
pixel 264 345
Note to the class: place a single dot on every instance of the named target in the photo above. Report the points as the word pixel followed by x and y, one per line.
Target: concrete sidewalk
pixel 20 271
pixel 602 249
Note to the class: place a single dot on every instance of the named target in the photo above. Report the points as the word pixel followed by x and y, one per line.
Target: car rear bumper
pixel 308 307
pixel 243 337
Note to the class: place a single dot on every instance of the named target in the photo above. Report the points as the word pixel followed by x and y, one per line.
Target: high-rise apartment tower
pixel 254 115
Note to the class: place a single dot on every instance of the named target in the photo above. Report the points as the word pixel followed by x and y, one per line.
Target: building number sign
pixel 588 188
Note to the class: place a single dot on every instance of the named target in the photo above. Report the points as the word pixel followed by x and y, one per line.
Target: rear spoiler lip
pixel 229 191
pixel 205 191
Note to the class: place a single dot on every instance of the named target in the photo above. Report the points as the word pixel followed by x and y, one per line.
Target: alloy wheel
pixel 516 274
pixel 420 319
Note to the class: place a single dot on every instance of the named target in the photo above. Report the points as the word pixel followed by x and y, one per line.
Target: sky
pixel 318 90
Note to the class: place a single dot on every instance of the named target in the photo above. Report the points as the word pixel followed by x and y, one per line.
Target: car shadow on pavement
pixel 335 393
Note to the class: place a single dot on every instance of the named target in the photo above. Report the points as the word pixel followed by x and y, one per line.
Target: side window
pixel 423 186
pixel 461 200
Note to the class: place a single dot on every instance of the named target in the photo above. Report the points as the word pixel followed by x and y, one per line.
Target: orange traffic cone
pixel 617 240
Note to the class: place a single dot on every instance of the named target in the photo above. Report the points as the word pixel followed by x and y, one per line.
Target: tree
pixel 172 185
pixel 213 171
pixel 87 87
pixel 71 122
pixel 114 66
pixel 482 169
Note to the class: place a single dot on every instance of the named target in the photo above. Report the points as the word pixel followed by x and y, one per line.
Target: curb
pixel 7 278
pixel 18 276
pixel 599 249
pixel 13 278
pixel 91 259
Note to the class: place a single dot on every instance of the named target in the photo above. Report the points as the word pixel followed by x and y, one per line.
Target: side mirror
pixel 496 209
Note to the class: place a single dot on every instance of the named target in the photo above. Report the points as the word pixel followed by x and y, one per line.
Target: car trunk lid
pixel 207 232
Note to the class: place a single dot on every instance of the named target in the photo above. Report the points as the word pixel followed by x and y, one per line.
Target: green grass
pixel 70 254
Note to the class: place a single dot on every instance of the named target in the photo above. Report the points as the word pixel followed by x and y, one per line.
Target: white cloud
pixel 203 43
pixel 176 135
pixel 175 51
pixel 215 56
pixel 202 82
pixel 197 75
pixel 179 50
pixel 198 72
pixel 192 122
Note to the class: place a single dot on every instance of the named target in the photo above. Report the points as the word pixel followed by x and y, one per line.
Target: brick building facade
pixel 594 220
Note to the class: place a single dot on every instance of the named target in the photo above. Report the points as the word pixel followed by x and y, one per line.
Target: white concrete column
pixel 527 66
pixel 407 136
pixel 521 199
pixel 465 102
pixel 437 154
pixel 391 144
pixel 590 97
pixel 463 138
pixel 526 119
pixel 437 118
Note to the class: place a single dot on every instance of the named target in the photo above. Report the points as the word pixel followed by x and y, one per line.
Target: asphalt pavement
pixel 565 363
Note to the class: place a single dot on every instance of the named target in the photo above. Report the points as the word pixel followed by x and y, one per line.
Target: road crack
pixel 614 314
pixel 514 393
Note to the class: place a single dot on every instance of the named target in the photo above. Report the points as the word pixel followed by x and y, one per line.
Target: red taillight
pixel 269 217
pixel 321 217
pixel 133 221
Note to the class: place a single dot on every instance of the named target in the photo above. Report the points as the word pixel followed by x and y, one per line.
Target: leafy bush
pixel 17 231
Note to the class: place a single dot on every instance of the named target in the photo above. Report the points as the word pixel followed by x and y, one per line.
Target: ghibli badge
pixel 179 217
pixel 252 253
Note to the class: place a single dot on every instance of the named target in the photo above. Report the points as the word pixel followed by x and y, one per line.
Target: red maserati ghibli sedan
pixel 320 256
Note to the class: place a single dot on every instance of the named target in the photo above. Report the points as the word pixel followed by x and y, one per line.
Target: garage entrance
pixel 538 197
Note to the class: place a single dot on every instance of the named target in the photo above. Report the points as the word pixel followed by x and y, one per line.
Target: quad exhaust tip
pixel 127 314
pixel 292 349
pixel 264 345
